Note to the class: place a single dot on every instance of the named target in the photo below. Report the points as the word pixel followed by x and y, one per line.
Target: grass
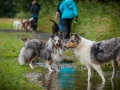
pixel 11 73
pixel 6 23
pixel 96 21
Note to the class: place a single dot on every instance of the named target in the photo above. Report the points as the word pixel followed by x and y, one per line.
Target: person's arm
pixel 75 10
pixel 57 12
pixel 57 15
pixel 61 7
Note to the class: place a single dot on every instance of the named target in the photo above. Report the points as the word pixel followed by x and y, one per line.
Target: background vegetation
pixel 97 20
pixel 11 73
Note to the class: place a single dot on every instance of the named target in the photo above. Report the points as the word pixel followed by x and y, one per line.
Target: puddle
pixel 71 79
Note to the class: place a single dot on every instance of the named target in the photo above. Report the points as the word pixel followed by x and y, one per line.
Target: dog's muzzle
pixel 65 47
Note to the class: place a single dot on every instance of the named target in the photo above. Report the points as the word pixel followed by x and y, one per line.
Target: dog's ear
pixel 52 36
pixel 77 38
pixel 76 35
pixel 72 34
pixel 61 35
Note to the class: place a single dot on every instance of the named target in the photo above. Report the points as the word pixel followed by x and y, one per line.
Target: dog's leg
pixel 48 64
pixel 56 66
pixel 89 72
pixel 99 70
pixel 114 65
pixel 31 61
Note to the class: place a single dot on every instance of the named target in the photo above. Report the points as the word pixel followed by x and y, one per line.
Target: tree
pixel 8 8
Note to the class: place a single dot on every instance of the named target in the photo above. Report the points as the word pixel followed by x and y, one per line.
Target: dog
pixel 55 27
pixel 25 25
pixel 57 48
pixel 93 53
pixel 33 24
pixel 51 51
pixel 17 25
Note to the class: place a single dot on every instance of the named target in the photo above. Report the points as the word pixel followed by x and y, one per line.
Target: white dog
pixel 93 54
pixel 17 25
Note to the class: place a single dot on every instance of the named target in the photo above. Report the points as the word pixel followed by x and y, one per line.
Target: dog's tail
pixel 53 21
pixel 21 57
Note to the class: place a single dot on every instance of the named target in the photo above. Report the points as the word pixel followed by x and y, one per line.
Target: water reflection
pixel 71 79
pixel 67 78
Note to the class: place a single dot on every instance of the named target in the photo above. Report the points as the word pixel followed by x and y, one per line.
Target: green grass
pixel 11 73
pixel 96 21
pixel 10 43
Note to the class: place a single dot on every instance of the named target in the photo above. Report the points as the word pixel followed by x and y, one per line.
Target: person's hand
pixel 75 19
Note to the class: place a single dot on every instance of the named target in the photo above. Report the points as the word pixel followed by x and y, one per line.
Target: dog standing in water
pixel 51 51
pixel 93 54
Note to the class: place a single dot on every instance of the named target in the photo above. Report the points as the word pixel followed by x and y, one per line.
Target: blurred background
pixel 97 20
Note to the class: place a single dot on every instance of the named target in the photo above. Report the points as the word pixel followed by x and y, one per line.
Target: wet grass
pixel 11 73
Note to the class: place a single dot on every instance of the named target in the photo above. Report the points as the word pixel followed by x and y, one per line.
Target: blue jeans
pixel 60 25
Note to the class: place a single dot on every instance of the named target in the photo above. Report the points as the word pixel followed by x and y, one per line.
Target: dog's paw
pixel 50 70
pixel 58 70
pixel 31 66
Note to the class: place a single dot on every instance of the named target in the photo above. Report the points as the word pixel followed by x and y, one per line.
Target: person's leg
pixel 60 25
pixel 69 28
pixel 65 27
pixel 35 26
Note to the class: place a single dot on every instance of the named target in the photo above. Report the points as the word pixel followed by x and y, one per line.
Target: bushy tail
pixel 21 57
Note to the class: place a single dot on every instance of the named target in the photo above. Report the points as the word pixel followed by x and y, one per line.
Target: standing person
pixel 69 11
pixel 35 9
pixel 58 17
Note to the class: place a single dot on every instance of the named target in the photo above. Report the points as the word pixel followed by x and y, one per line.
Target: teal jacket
pixel 68 9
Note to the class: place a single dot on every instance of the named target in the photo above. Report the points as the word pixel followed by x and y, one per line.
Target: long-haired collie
pixel 51 51
pixel 93 54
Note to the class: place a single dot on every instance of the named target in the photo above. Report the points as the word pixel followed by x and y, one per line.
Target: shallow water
pixel 72 79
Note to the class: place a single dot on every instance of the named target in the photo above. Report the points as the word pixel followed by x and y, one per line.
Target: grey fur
pixel 37 48
pixel 51 51
pixel 104 51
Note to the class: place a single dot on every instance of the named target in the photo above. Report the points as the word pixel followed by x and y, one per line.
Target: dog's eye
pixel 72 41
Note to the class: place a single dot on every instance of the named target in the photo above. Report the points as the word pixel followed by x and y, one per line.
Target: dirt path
pixel 44 36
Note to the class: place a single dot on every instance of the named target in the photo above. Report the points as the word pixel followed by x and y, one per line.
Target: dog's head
pixel 74 41
pixel 56 41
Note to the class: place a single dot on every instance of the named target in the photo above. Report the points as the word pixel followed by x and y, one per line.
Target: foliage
pixel 8 8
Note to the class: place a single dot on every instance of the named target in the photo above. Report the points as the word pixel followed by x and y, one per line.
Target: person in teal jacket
pixel 69 12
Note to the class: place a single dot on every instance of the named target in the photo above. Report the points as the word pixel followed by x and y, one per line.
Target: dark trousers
pixel 66 22
pixel 35 26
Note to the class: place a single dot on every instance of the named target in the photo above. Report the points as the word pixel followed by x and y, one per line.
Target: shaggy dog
pixel 55 27
pixel 25 25
pixel 93 54
pixel 17 25
pixel 51 51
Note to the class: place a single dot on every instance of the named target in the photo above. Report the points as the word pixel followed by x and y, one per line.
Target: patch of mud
pixel 33 76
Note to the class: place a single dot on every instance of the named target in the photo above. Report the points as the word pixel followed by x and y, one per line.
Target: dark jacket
pixel 35 8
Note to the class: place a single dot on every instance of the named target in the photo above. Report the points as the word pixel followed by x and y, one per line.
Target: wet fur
pixel 93 54
pixel 51 51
